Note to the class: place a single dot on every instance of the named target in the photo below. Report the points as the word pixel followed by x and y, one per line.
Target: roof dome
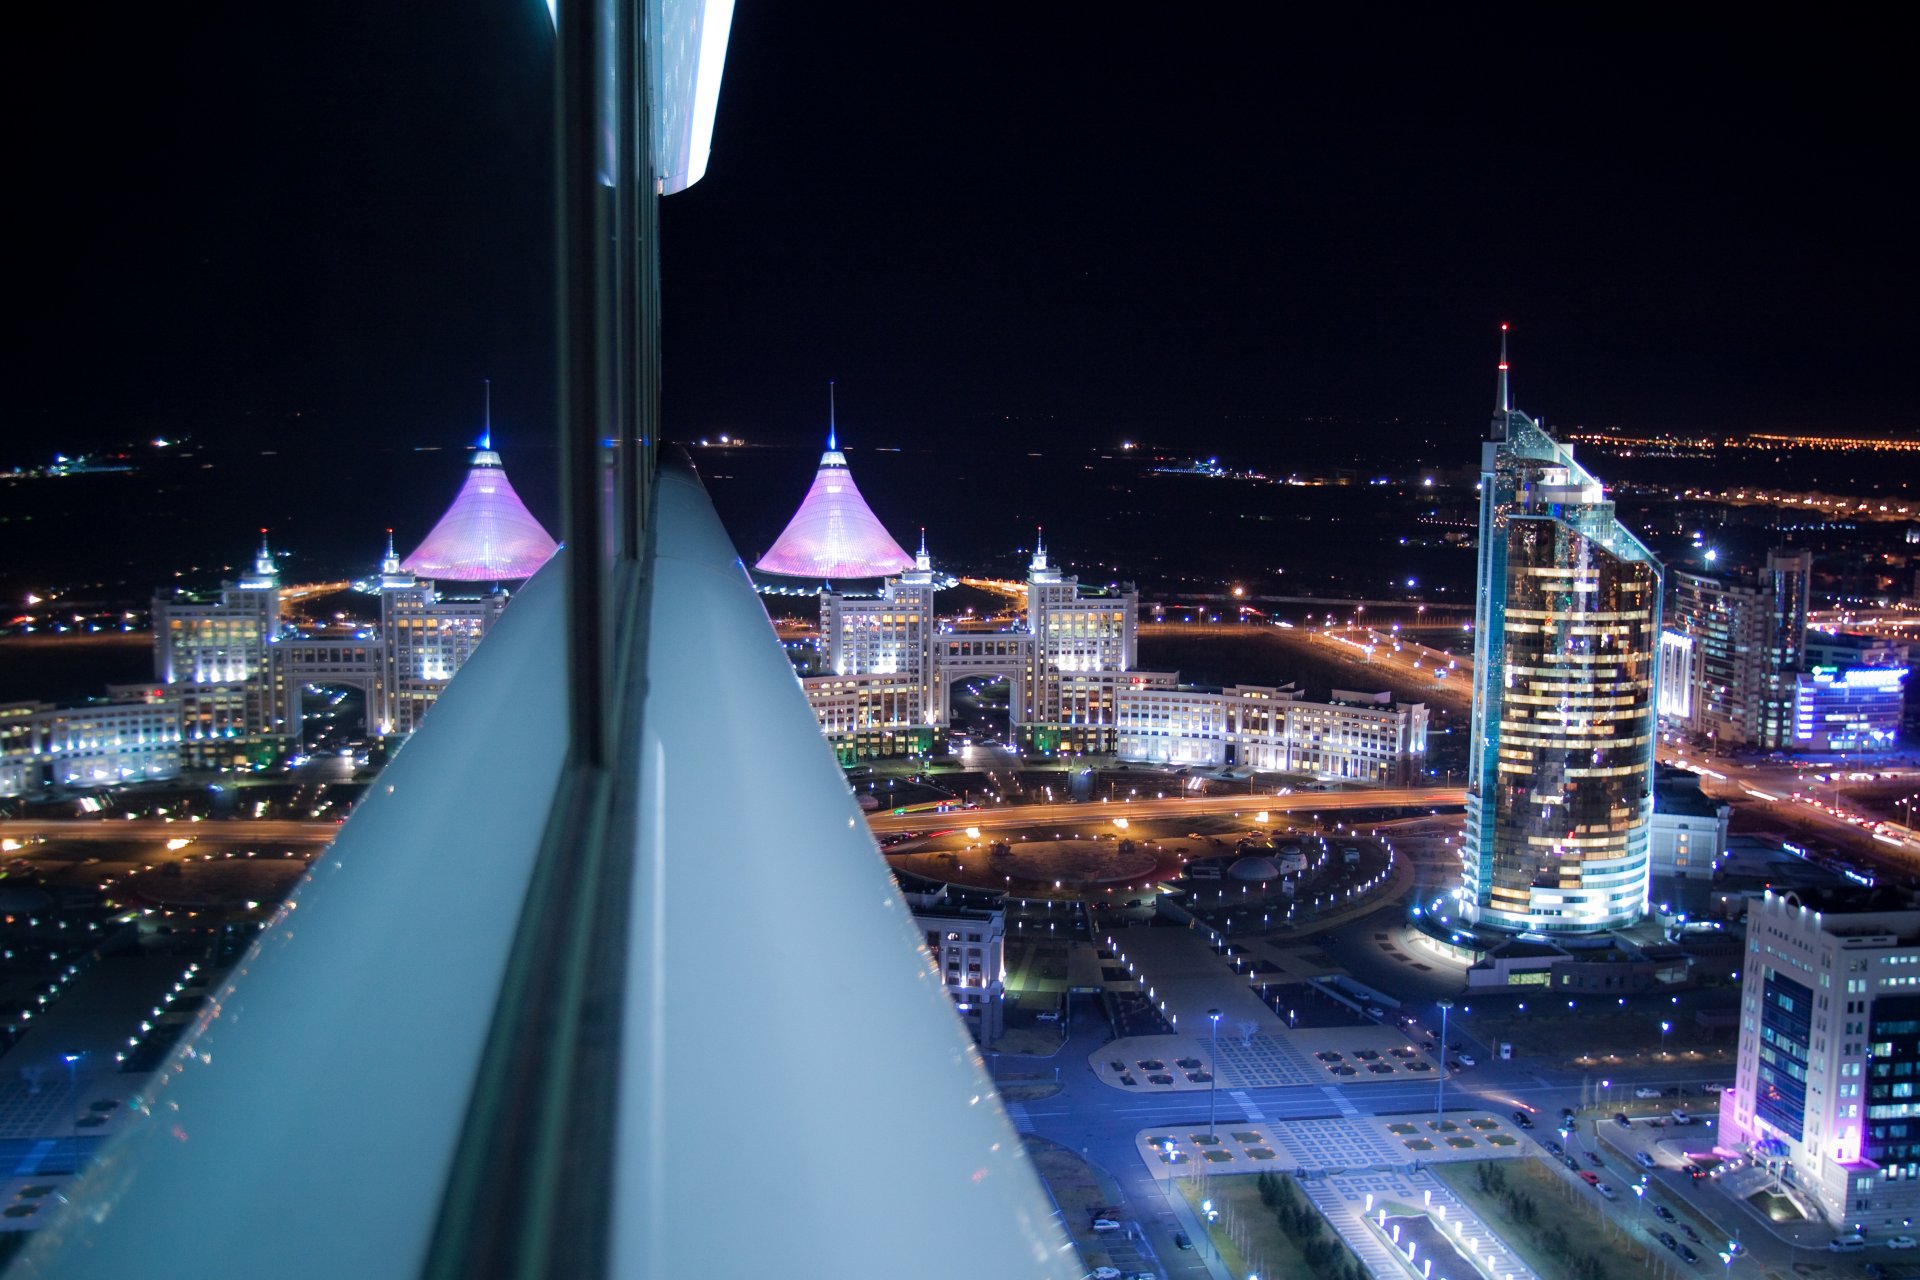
pixel 487 535
pixel 1254 868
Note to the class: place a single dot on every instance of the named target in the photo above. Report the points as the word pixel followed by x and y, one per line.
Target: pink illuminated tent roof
pixel 487 535
pixel 834 534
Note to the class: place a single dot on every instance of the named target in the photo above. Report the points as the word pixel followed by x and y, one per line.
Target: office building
pixel 967 945
pixel 1567 624
pixel 131 735
pixel 1361 737
pixel 1746 636
pixel 1829 1061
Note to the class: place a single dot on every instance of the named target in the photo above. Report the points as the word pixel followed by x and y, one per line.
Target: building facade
pixel 888 668
pixel 1567 622
pixel 1829 1061
pixel 237 670
pixel 1747 639
pixel 1363 737
pixel 967 945
pixel 1689 832
pixel 131 735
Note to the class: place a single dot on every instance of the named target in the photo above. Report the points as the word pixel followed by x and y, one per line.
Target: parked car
pixel 1181 1240
pixel 1621 1120
pixel 1663 1213
pixel 1666 1238
pixel 1646 1091
pixel 1466 1059
pixel 1686 1229
pixel 1687 1255
pixel 1589 1177
pixel 1902 1242
pixel 1606 1191
pixel 1645 1161
pixel 1522 1119
pixel 1106 1224
pixel 1570 1162
pixel 1681 1117
pixel 1593 1158
pixel 1553 1148
pixel 1852 1242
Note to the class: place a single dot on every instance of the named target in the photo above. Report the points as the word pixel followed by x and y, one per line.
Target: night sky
pixel 1042 222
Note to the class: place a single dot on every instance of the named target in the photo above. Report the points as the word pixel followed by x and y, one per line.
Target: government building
pixel 887 666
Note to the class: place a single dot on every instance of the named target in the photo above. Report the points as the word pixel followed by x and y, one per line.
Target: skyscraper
pixel 1567 622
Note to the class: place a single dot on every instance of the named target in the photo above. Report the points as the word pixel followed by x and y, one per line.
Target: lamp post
pixel 1440 1083
pixel 1213 1067
pixel 1664 1028
pixel 73 1104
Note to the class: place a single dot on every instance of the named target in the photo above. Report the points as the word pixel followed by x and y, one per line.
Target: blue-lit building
pixel 1567 621
pixel 1851 695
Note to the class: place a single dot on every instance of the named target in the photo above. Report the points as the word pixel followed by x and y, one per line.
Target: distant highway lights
pixel 1213 1071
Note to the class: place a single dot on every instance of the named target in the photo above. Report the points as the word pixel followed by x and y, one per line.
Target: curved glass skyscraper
pixel 1567 616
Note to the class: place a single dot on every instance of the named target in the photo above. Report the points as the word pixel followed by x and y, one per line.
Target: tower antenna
pixel 486 431
pixel 833 433
pixel 1503 399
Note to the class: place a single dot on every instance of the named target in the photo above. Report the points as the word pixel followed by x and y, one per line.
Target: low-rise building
pixel 967 945
pixel 1362 736
pixel 1689 828
pixel 131 735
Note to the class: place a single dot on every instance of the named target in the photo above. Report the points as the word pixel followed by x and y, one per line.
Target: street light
pixel 1213 1067
pixel 1664 1028
pixel 1440 1081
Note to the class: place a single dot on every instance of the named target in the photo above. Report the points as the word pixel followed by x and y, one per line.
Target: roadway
pixel 281 831
pixel 1033 815
pixel 213 830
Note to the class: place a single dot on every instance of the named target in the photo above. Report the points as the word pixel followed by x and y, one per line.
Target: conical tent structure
pixel 487 535
pixel 834 534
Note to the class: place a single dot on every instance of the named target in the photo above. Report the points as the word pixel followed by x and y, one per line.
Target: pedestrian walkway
pixel 1247 1105
pixel 1353 1204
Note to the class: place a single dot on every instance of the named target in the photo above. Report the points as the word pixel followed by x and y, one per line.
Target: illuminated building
pixel 1747 637
pixel 1689 828
pixel 1851 708
pixel 890 671
pixel 1829 1061
pixel 968 947
pixel 487 534
pixel 1567 622
pixel 131 735
pixel 238 672
pixel 1364 737
pixel 214 652
pixel 834 534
